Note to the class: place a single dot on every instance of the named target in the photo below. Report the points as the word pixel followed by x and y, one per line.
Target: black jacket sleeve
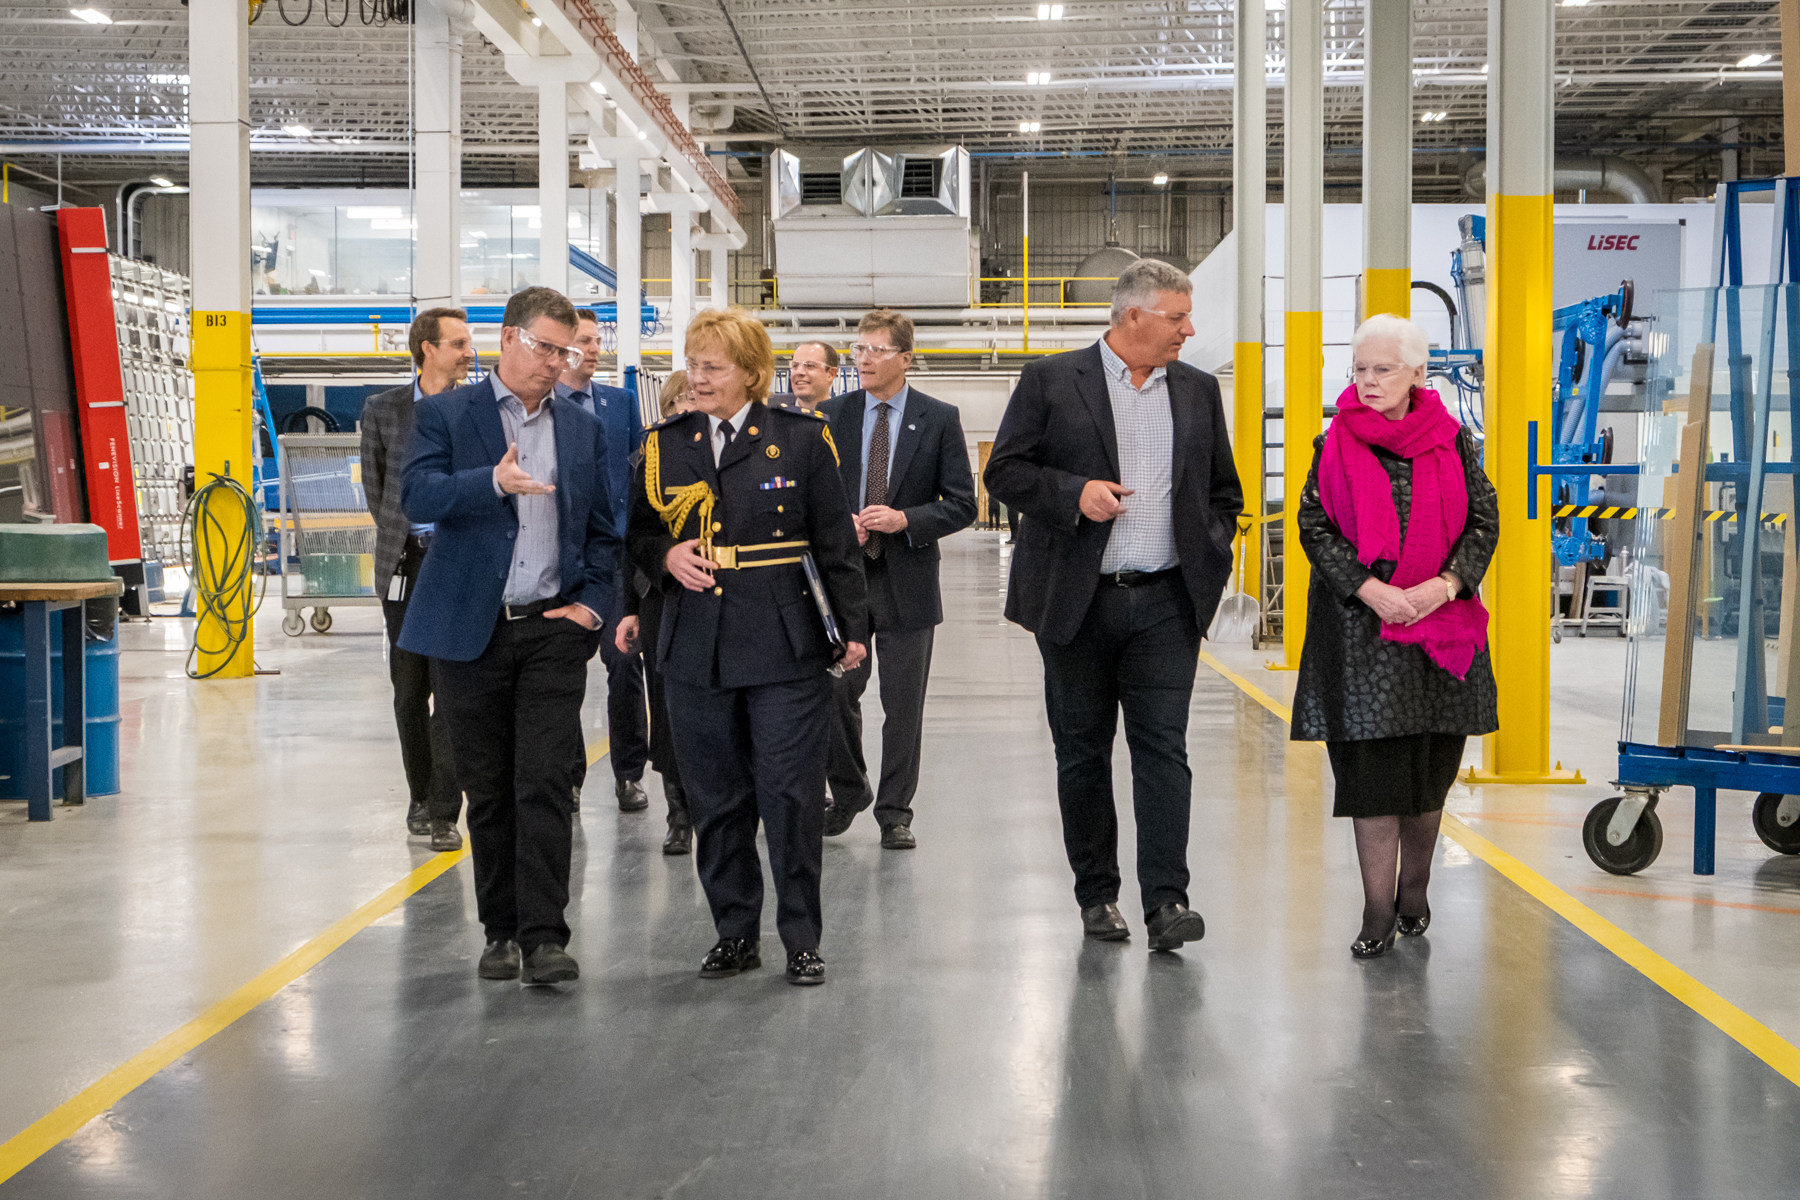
pixel 954 508
pixel 1470 556
pixel 647 539
pixel 1227 499
pixel 1017 475
pixel 1332 554
pixel 374 455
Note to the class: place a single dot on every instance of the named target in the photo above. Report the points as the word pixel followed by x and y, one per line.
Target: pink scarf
pixel 1359 499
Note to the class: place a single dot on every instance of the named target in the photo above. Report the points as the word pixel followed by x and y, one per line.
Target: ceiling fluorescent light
pixel 1030 126
pixel 1160 178
pixel 161 181
pixel 1050 12
pixel 1574 3
pixel 1037 78
pixel 374 212
pixel 92 16
pixel 537 21
pixel 1754 60
pixel 296 131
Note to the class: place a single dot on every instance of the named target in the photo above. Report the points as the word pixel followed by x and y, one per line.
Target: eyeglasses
pixel 1168 316
pixel 709 370
pixel 1379 372
pixel 807 364
pixel 878 353
pixel 543 349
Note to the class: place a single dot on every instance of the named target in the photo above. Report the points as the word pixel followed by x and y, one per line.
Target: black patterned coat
pixel 1352 685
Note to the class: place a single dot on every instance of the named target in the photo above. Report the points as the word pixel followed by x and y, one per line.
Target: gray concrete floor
pixel 968 1042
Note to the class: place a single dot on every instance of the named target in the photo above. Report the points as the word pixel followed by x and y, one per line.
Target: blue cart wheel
pixel 1637 852
pixel 1764 815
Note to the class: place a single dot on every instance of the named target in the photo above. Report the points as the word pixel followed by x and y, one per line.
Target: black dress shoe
pixel 548 963
pixel 1105 922
pixel 499 961
pixel 631 794
pixel 1375 947
pixel 418 821
pixel 1412 926
pixel 898 837
pixel 680 838
pixel 731 956
pixel 805 968
pixel 445 836
pixel 1173 924
pixel 575 799
pixel 838 818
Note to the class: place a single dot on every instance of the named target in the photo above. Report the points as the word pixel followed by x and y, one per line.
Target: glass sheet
pixel 1735 630
pixel 333 533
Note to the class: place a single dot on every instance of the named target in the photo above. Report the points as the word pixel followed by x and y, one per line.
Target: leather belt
pixel 1131 579
pixel 537 608
pixel 765 554
pixel 420 542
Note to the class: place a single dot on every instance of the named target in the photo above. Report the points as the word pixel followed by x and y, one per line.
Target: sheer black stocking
pixel 1418 839
pixel 1378 854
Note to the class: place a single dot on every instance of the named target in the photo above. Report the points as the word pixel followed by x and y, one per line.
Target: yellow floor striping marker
pixel 1733 1021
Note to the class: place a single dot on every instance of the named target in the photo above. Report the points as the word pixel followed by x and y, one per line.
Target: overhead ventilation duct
pixel 926 183
pixel 873 183
pixel 1601 173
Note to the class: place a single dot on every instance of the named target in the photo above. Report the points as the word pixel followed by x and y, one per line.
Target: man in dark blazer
pixel 906 473
pixel 1119 459
pixel 523 570
pixel 442 352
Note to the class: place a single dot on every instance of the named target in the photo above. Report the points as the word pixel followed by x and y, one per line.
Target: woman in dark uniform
pixel 639 626
pixel 730 500
pixel 1399 522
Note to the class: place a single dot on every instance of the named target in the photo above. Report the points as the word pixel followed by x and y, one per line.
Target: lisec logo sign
pixel 1613 241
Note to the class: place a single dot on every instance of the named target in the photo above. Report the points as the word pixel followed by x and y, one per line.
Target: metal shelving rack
pixel 327 531
pixel 150 306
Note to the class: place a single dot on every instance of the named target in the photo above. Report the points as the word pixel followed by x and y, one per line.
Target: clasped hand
pixel 877 518
pixel 1404 606
pixel 516 480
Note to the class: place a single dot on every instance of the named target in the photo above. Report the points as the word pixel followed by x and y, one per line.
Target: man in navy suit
pixel 905 466
pixel 522 572
pixel 627 715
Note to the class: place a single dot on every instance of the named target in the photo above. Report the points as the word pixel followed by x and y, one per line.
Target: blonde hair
pixel 744 341
pixel 1415 347
pixel 673 389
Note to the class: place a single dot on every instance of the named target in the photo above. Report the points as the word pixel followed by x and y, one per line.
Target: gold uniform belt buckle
pixel 723 557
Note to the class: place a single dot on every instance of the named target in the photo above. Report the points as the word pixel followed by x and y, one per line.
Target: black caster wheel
pixel 1638 851
pixel 1783 839
pixel 321 619
pixel 1556 634
pixel 293 625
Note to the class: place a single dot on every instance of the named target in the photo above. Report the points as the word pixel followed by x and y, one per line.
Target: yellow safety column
pixel 1249 220
pixel 1518 360
pixel 1303 198
pixel 219 208
pixel 1387 157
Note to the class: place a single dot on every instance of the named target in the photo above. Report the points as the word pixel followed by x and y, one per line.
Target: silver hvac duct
pixel 1601 173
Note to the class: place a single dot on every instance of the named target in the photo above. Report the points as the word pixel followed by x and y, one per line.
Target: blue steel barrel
pixel 102 753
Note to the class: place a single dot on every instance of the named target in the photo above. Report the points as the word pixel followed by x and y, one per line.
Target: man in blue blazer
pixel 627 714
pixel 522 572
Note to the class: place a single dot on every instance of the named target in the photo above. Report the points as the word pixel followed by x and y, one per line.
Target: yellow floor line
pixel 1733 1021
pixel 30 1143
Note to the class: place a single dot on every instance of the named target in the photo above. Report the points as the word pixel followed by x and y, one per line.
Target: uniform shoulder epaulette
pixel 671 419
pixel 795 410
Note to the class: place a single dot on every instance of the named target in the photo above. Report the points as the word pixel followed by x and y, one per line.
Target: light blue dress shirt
pixel 896 407
pixel 535 572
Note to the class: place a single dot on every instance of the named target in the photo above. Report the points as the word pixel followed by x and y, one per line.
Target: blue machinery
pixel 1623 834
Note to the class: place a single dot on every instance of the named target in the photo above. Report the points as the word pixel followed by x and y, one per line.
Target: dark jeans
pixel 905 656
pixel 425 752
pixel 627 722
pixel 515 715
pixel 748 754
pixel 1136 651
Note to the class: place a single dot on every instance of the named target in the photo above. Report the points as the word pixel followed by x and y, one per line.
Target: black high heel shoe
pixel 1375 948
pixel 1413 926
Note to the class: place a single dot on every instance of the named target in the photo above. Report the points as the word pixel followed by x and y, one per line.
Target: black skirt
pixel 1394 776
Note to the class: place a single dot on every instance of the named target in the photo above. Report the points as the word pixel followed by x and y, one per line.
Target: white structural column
pixel 439 26
pixel 1249 222
pixel 718 250
pixel 628 218
pixel 1303 366
pixel 681 263
pixel 1387 157
pixel 219 235
pixel 1518 361
pixel 553 184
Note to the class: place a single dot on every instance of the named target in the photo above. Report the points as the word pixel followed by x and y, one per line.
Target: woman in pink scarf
pixel 1399 522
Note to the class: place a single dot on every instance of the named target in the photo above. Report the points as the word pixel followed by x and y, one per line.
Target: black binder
pixel 816 585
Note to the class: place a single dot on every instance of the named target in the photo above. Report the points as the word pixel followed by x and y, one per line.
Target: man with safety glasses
pixel 811 372
pixel 522 572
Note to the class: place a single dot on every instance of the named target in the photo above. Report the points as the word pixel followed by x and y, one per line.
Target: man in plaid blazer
pixel 442 352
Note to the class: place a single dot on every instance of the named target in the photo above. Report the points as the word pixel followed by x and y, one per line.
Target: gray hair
pixel 1415 347
pixel 1143 281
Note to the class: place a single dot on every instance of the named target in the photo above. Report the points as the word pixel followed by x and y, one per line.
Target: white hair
pixel 1143 281
pixel 1415 347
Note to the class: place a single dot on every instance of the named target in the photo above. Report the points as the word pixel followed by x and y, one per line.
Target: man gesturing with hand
pixel 1118 458
pixel 523 567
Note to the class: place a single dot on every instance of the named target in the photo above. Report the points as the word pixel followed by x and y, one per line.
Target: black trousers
pixel 749 754
pixel 662 738
pixel 905 658
pixel 425 752
pixel 515 715
pixel 1136 653
pixel 627 722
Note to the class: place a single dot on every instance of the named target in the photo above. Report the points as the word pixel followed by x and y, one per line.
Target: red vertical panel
pixel 99 384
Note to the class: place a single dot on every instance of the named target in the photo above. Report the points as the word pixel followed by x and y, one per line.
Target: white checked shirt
pixel 1144 538
pixel 536 571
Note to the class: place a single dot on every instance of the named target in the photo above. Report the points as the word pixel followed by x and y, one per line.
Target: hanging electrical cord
pixel 224 513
